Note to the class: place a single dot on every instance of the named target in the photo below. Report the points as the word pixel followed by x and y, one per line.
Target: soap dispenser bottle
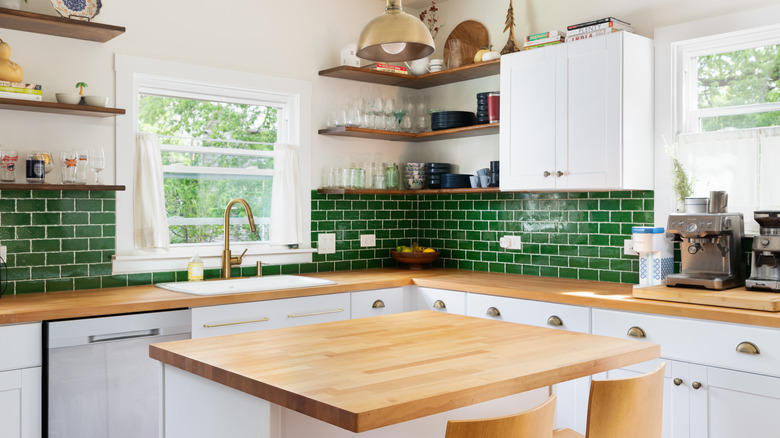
pixel 195 269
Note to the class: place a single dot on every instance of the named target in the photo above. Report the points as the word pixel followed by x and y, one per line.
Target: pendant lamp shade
pixel 395 36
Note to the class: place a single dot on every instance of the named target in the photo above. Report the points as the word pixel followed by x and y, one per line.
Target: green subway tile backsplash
pixel 64 240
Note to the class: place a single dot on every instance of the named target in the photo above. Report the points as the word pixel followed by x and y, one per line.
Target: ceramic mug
pixel 474 180
pixel 418 66
pixel 484 180
pixel 436 65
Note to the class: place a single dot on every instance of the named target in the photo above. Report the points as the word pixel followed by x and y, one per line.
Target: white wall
pixel 291 38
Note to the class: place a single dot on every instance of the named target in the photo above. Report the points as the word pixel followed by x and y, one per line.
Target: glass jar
pixel 36 168
pixel 391 175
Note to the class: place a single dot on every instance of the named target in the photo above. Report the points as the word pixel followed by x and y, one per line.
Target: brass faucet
pixel 227 259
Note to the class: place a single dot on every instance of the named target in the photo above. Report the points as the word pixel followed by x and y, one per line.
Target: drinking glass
pixel 390 109
pixel 97 162
pixel 455 58
pixel 7 165
pixel 379 113
pixel 68 166
pixel 81 166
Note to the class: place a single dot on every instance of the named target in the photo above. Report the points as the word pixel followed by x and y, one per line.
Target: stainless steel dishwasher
pixel 100 381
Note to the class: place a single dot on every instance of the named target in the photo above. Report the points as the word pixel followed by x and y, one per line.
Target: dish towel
pixel 286 227
pixel 150 218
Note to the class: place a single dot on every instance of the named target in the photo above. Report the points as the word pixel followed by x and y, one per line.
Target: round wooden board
pixel 473 36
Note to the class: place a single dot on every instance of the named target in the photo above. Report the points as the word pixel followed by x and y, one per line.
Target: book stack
pixel 594 28
pixel 18 90
pixel 380 66
pixel 543 39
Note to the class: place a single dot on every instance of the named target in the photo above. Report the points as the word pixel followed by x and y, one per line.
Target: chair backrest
pixel 630 407
pixel 533 423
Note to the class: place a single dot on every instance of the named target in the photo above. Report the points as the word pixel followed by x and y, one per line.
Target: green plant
pixel 681 182
pixel 81 86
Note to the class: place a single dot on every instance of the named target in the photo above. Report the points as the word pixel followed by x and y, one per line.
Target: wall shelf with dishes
pixel 58 26
pixel 335 191
pixel 75 187
pixel 59 108
pixel 444 134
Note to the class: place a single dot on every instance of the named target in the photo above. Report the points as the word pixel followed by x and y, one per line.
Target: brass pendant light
pixel 395 36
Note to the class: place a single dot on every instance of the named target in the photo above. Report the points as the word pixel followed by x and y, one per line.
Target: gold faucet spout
pixel 227 258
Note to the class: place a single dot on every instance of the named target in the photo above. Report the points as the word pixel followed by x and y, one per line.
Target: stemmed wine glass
pixel 97 162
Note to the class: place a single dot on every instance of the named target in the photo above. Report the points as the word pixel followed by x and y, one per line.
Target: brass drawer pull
pixel 748 348
pixel 492 311
pixel 696 385
pixel 439 304
pixel 555 321
pixel 378 304
pixel 636 332
pixel 324 312
pixel 235 323
pixel 677 381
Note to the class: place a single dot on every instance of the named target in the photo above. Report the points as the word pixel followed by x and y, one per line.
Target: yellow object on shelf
pixel 9 70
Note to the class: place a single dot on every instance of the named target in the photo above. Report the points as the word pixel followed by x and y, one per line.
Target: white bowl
pixel 69 98
pixel 96 100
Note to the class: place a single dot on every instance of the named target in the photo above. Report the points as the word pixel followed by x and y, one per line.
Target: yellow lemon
pixel 429 250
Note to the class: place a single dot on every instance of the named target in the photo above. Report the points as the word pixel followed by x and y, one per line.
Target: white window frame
pixel 136 75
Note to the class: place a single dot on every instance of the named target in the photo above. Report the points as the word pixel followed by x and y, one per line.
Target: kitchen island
pixel 372 375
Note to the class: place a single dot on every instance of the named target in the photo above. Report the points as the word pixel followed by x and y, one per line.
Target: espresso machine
pixel 710 246
pixel 765 266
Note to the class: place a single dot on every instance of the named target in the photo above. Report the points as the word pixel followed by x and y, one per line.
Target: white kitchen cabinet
pixel 377 302
pixel 572 403
pixel 20 381
pixel 713 390
pixel 440 300
pixel 578 116
pixel 262 315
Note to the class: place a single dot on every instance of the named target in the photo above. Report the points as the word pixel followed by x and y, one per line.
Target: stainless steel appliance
pixel 765 270
pixel 710 248
pixel 100 381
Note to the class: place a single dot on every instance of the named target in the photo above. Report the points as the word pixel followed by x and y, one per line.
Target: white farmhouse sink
pixel 242 285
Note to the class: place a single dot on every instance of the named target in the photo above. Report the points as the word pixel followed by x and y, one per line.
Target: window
pixel 217 130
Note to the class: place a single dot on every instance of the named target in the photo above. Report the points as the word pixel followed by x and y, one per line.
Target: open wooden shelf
pixel 464 73
pixel 58 26
pixel 59 108
pixel 48 186
pixel 405 192
pixel 445 134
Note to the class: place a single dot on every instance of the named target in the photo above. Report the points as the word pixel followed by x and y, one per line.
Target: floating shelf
pixel 59 108
pixel 76 187
pixel 445 134
pixel 58 26
pixel 405 192
pixel 464 73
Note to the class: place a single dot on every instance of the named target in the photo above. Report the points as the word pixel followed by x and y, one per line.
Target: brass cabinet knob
pixel 748 348
pixel 378 304
pixel 636 332
pixel 559 174
pixel 555 321
pixel 492 311
pixel 677 381
pixel 546 173
pixel 696 385
pixel 439 304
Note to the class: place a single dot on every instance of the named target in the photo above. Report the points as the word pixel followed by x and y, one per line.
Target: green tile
pixel 28 287
pixel 86 283
pixel 9 219
pixel 43 272
pixel 30 205
pixel 89 205
pixel 139 279
pixel 59 232
pixel 59 258
pixel 113 281
pixel 75 244
pixel 16 193
pixel 74 270
pixel 59 284
pixel 60 205
pixel 15 274
pixel 102 218
pixel 30 232
pixel 99 269
pixel 75 218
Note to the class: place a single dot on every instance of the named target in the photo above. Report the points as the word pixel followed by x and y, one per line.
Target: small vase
pixel 11 4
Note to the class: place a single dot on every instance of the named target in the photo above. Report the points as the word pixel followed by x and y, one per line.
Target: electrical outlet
pixel 367 240
pixel 510 242
pixel 4 253
pixel 326 243
pixel 628 248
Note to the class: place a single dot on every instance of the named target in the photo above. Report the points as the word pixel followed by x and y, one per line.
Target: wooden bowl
pixel 415 260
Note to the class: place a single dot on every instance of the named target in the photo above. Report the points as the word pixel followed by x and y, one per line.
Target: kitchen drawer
pixel 537 313
pixel 315 309
pixel 441 300
pixel 377 302
pixel 20 345
pixel 695 341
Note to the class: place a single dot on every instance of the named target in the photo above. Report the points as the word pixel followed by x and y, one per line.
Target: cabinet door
pixel 739 404
pixel 528 112
pixel 593 114
pixel 10 403
pixel 377 302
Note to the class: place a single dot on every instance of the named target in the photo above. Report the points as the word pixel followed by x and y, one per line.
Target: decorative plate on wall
pixel 77 9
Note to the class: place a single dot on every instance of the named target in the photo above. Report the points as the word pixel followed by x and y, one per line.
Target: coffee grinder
pixel 710 246
pixel 765 270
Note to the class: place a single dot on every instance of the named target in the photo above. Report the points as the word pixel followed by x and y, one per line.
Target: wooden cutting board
pixel 473 36
pixel 739 298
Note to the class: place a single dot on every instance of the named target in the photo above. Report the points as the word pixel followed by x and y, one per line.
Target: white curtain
pixel 150 218
pixel 739 162
pixel 286 215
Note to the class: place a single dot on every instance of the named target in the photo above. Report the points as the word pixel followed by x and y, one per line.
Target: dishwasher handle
pixel 122 336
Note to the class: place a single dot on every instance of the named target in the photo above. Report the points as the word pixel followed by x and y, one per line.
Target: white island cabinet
pixel 578 116
pixel 20 380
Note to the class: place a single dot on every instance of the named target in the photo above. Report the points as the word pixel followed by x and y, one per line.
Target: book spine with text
pixel 20 96
pixel 536 46
pixel 544 35
pixel 602 26
pixel 543 41
pixel 594 22
pixel 584 36
pixel 21 90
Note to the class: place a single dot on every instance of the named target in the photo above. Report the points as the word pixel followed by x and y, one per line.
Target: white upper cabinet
pixel 578 116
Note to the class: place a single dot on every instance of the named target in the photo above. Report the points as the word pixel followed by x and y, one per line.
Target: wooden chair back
pixel 533 423
pixel 630 407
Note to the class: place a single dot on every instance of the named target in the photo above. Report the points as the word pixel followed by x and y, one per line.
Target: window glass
pixel 213 151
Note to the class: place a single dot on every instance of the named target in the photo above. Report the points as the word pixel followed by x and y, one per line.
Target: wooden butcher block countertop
pixel 347 373
pixel 98 302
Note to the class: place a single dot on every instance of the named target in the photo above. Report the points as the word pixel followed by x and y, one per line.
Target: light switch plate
pixel 367 240
pixel 326 243
pixel 628 248
pixel 510 242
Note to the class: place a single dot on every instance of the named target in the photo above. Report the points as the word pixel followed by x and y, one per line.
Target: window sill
pixel 177 261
